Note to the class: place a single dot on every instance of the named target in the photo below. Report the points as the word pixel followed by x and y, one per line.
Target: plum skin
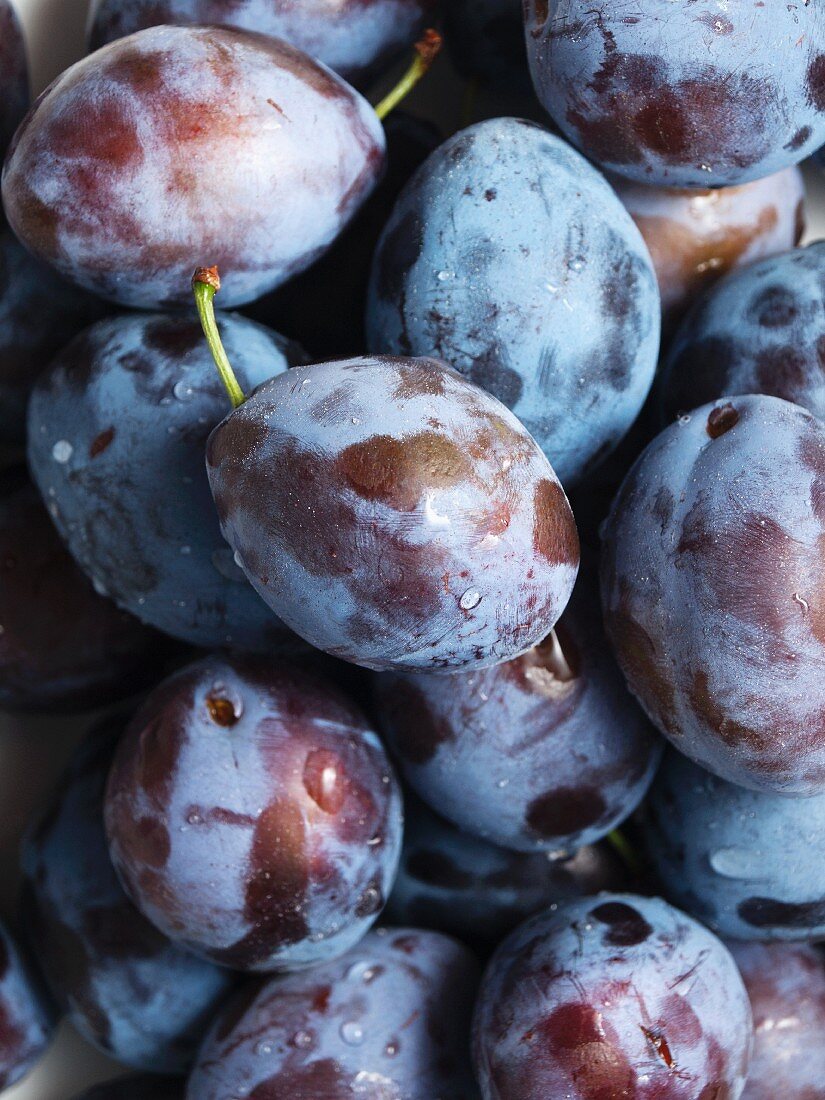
pixel 253 816
pixel 680 96
pixel 437 529
pixel 14 75
pixel 592 999
pixel 126 172
pixel 26 1016
pixel 391 1018
pixel 704 541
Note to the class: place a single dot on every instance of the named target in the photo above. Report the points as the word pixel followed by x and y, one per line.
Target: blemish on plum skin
pixel 721 420
pixel 222 711
pixel 101 442
pixel 554 531
pixel 627 927
pixel 659 1043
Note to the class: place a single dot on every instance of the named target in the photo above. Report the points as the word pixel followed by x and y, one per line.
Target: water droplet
pixel 352 1033
pixel 62 451
pixel 502 783
pixel 165 400
pixel 99 586
pixel 443 276
pixel 303 1040
pixel 684 419
pixel 194 818
pixel 392 1048
pixel 237 559
pixel 264 1047
pixel 356 420
pixel 738 863
pixel 576 264
pixel 469 600
pixel 185 550
pixel 183 391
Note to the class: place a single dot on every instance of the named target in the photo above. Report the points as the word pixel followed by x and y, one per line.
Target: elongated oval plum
pixel 681 94
pixel 509 257
pixel 713 588
pixel 357 39
pixel 14 75
pixel 125 987
pixel 748 864
pixel 695 237
pixel 117 432
pixel 63 646
pixel 390 1019
pixel 182 142
pixel 394 514
pixel 253 815
pixel 608 997
pixel 26 1017
pixel 548 751
pixel 761 330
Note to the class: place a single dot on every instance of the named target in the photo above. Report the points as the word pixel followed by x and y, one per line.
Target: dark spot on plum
pixel 540 12
pixel 150 842
pixel 774 307
pixel 173 337
pixel 490 194
pixel 646 670
pixel 782 371
pixel 554 530
pixel 721 420
pixel 101 442
pixel 437 869
pixel 800 222
pixel 627 926
pixel 492 374
pixel 322 780
pixel 398 472
pixel 406 944
pixel 371 900
pixel 221 711
pixel 816 82
pixel 565 810
pixel 770 913
pixel 799 139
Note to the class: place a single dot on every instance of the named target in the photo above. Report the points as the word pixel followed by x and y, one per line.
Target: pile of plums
pixel 410 779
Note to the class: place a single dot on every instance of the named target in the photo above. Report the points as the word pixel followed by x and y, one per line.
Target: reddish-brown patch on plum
pixel 626 925
pixel 816 82
pixel 680 1021
pixel 324 1078
pixel 399 472
pixel 222 711
pixel 761 912
pixel 644 667
pixel 100 442
pixel 417 378
pixel 564 810
pixel 320 998
pixel 706 706
pixel 323 780
pixel 574 1037
pixel 173 337
pixel 147 843
pixel 554 530
pixel 782 371
pixel 658 1040
pixel 416 729
pixel 721 420
pixel 157 749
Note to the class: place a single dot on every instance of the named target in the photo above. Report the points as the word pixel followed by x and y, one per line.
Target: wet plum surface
pixel 761 330
pixel 14 76
pixel 748 864
pixel 118 430
pixel 679 93
pixel 125 987
pixel 608 997
pixel 712 587
pixel 157 152
pixel 509 257
pixel 25 1015
pixel 253 815
pixel 394 514
pixel 388 1021
pixel 547 751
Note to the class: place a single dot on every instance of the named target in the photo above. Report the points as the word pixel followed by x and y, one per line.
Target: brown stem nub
pixel 209 276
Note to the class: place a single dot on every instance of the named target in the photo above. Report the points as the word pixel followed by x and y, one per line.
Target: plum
pixel 713 588
pixel 126 988
pixel 748 864
pixel 117 431
pixel 253 815
pixel 26 1017
pixel 608 997
pixel 163 146
pixel 509 257
pixel 760 330
pixel 547 751
pixel 672 93
pixel 14 76
pixel 388 1021
pixel 63 646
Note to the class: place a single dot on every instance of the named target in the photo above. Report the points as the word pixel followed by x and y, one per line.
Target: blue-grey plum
pixel 548 751
pixel 394 514
pixel 761 330
pixel 608 997
pixel 39 314
pixel 511 258
pixel 158 150
pixel 388 1021
pixel 14 75
pixel 485 39
pixel 696 236
pixel 253 815
pixel 144 1086
pixel 63 647
pixel 356 38
pixel 125 987
pixel 117 432
pixel 786 986
pixel 681 94
pixel 749 864
pixel 455 883
pixel 713 588
pixel 26 1017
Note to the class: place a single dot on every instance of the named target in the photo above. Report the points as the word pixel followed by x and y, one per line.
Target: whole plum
pixel 786 987
pixel 160 148
pixel 748 864
pixel 394 514
pixel 117 432
pixel 547 751
pixel 761 330
pixel 14 76
pixel 63 647
pixel 695 237
pixel 253 815
pixel 125 987
pixel 359 39
pixel 485 39
pixel 29 292
pixel 609 997
pixel 478 892
pixel 509 257
pixel 25 1015
pixel 669 92
pixel 388 1021
pixel 713 587
pixel 144 1086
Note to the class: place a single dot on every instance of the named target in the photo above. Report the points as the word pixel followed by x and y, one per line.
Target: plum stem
pixel 206 283
pixel 426 51
pixel 626 852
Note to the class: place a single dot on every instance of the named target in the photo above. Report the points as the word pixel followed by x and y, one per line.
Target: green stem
pixel 426 51
pixel 206 283
pixel 626 852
